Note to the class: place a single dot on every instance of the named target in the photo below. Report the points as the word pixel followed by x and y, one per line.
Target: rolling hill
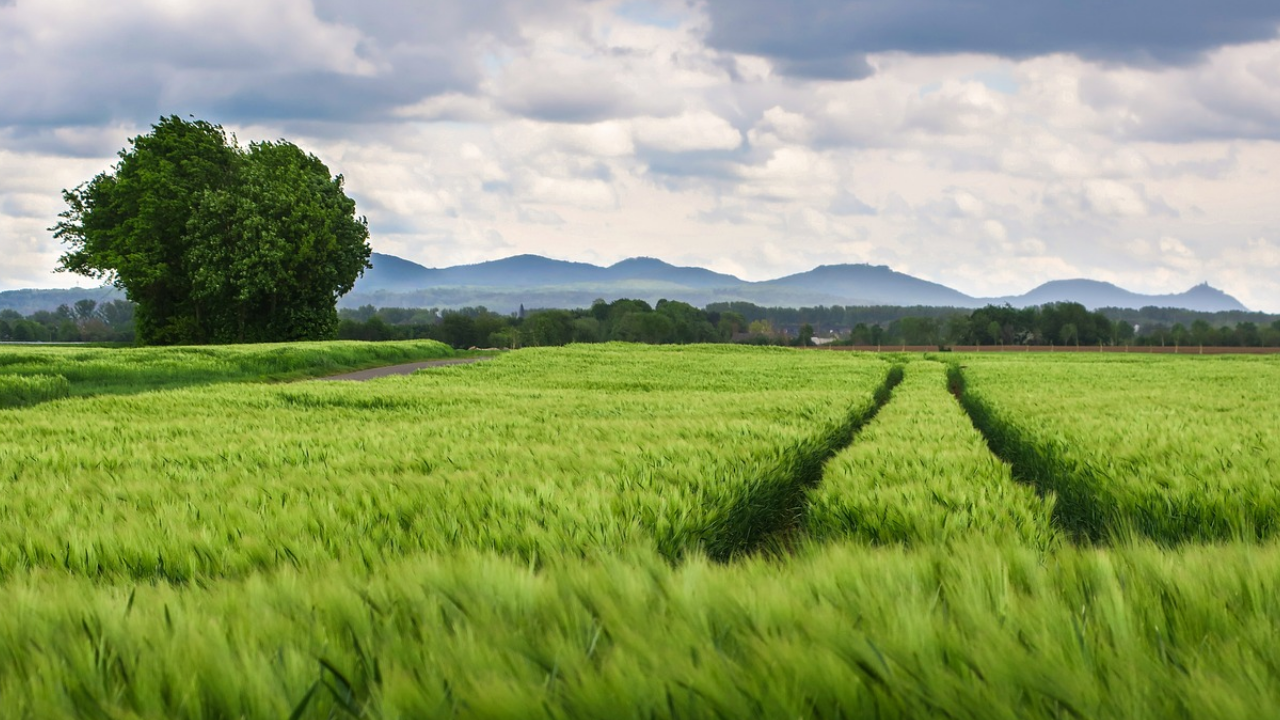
pixel 874 285
pixel 536 281
pixel 1094 294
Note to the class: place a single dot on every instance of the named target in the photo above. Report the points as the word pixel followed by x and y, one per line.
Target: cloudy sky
pixel 990 145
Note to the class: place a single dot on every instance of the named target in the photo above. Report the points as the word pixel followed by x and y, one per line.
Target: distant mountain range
pixel 30 301
pixel 1094 294
pixel 390 273
pixel 534 281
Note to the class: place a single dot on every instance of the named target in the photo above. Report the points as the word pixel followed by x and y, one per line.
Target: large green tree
pixel 215 242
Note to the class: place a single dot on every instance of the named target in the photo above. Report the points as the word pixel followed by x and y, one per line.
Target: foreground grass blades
pixel 966 631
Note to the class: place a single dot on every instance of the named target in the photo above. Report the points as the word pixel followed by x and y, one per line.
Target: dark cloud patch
pixel 398 23
pixel 674 168
pixel 575 91
pixel 141 96
pixel 350 62
pixel 567 104
pixel 323 96
pixel 57 95
pixel 428 47
pixel 73 142
pixel 820 38
pixel 839 67
pixel 597 171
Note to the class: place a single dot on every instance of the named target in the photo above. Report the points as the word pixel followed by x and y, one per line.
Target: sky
pixel 989 145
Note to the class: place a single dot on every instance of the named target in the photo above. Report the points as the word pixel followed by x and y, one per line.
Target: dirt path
pixel 390 370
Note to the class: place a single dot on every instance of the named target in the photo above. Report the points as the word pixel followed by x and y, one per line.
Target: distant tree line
pixel 673 322
pixel 1050 324
pixel 84 321
pixel 1072 324
pixel 670 322
pixel 667 322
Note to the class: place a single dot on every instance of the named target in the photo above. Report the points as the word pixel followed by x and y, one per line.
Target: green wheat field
pixel 625 531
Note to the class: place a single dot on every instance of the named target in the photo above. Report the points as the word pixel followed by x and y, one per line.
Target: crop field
pixel 922 474
pixel 1172 449
pixel 29 375
pixel 633 531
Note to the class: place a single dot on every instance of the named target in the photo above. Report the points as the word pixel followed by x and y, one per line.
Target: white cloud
pixel 995 230
pixel 688 132
pixel 539 217
pixel 1112 198
pixel 575 193
pixel 452 106
pixel 969 205
pixel 790 173
pixel 612 138
pixel 778 126
pixel 597 131
pixel 957 108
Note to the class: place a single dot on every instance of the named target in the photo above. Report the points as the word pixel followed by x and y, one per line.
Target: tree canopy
pixel 216 242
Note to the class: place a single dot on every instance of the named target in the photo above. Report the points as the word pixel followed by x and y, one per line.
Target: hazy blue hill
pixel 29 301
pixel 390 273
pixel 393 273
pixel 873 285
pixel 645 268
pixel 1206 298
pixel 520 271
pixel 1094 294
pixel 535 281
